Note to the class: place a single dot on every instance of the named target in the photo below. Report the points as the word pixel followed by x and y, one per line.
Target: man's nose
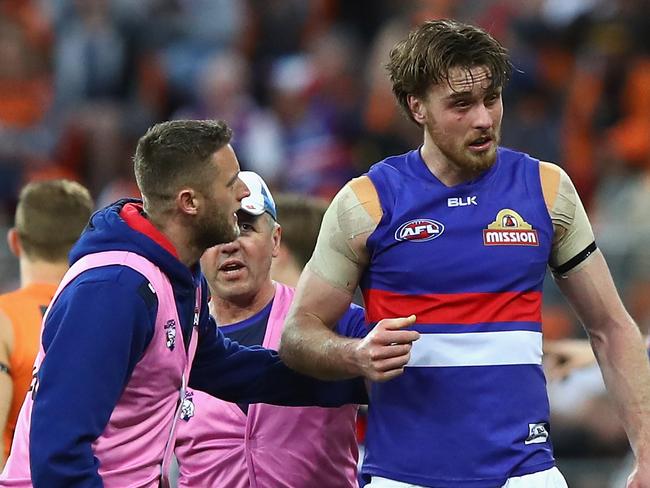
pixel 242 190
pixel 229 247
pixel 482 117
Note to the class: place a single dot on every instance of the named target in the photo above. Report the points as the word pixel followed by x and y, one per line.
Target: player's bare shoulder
pixel 573 241
pixel 341 255
pixel 358 208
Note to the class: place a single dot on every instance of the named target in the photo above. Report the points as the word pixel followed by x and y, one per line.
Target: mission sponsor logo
pixel 510 229
pixel 419 230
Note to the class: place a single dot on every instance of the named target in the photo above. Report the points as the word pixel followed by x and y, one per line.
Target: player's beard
pixel 215 227
pixel 459 154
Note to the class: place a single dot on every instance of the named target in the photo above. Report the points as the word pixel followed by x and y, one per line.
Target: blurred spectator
pixel 196 30
pixel 25 98
pixel 91 57
pixel 223 92
pixel 314 160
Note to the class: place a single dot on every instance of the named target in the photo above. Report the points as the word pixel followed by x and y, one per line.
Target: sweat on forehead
pixel 461 79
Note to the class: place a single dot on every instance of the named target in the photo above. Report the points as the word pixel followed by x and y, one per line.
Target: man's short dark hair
pixel 50 217
pixel 175 154
pixel 300 217
pixel 431 50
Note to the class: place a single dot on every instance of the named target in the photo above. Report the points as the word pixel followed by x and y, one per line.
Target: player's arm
pixel 6 384
pixel 236 373
pixel 583 277
pixel 91 349
pixel 309 343
pixel 618 346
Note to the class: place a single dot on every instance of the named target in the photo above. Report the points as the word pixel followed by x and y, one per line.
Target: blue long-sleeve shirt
pixel 99 328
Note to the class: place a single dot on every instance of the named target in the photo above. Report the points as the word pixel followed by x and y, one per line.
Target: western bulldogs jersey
pixel 469 261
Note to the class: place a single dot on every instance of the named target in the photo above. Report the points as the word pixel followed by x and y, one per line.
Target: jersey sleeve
pixel 573 240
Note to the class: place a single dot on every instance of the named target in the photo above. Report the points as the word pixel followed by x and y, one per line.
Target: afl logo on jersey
pixel 419 230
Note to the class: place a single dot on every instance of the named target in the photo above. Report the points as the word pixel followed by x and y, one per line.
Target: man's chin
pixel 480 162
pixel 234 291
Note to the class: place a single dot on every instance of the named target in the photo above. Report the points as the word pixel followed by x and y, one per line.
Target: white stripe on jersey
pixel 477 349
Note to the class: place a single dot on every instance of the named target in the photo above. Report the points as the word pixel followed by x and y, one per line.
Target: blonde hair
pixel 50 217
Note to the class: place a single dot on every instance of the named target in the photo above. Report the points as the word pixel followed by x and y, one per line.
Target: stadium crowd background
pixel 303 85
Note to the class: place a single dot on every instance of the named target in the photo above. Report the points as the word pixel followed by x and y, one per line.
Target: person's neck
pixel 41 272
pixel 449 173
pixel 237 309
pixel 180 237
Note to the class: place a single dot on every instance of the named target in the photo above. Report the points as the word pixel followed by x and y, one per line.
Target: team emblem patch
pixel 510 229
pixel 187 407
pixel 537 433
pixel 419 230
pixel 170 334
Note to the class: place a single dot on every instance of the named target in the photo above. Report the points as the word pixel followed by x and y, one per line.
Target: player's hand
pixel 561 357
pixel 384 352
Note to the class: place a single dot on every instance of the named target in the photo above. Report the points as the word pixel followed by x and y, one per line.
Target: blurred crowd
pixel 303 84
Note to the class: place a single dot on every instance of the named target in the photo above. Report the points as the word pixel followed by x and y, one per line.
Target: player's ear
pixel 418 111
pixel 13 241
pixel 188 201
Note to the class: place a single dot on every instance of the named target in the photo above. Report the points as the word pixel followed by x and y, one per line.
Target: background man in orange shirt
pixel 49 218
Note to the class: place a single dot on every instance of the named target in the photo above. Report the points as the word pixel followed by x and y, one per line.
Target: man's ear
pixel 187 201
pixel 418 111
pixel 277 240
pixel 13 240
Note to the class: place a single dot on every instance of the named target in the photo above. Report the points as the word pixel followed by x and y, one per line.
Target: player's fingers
pixel 397 323
pixel 388 375
pixel 396 336
pixel 389 351
pixel 388 364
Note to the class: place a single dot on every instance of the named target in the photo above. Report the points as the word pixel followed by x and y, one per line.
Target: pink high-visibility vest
pixel 217 445
pixel 136 444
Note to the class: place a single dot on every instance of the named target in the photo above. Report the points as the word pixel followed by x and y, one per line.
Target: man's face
pixel 218 222
pixel 238 270
pixel 463 118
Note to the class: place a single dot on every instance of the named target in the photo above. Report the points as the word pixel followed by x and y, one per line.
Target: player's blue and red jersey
pixel 471 408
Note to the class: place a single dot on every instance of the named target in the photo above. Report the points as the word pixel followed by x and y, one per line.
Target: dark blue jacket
pixel 100 326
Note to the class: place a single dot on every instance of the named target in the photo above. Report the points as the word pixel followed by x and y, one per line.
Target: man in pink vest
pixel 130 319
pixel 239 445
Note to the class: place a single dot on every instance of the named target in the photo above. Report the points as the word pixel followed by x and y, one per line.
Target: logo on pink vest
pixel 170 334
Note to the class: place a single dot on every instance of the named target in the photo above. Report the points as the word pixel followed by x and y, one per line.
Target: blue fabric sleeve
pixel 353 323
pixel 239 374
pixel 95 333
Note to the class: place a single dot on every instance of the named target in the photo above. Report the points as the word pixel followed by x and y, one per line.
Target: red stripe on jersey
pixel 455 308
